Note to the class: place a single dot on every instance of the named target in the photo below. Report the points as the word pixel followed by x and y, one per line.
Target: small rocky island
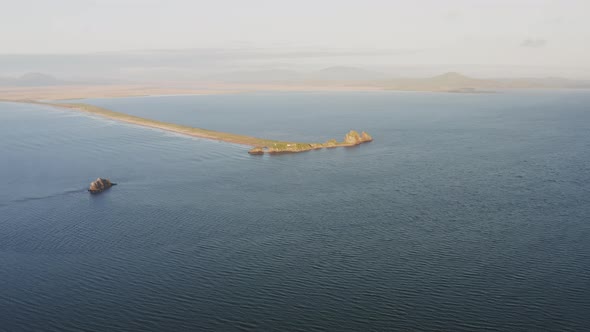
pixel 100 185
pixel 353 138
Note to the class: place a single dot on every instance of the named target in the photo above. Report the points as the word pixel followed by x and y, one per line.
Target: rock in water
pixel 366 137
pixel 352 138
pixel 256 150
pixel 100 185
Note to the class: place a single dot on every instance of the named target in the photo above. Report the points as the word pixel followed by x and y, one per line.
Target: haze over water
pixel 468 211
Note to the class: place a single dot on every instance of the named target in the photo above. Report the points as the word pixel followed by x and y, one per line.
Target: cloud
pixel 533 43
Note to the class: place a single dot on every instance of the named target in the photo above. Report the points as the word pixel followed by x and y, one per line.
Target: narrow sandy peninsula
pixel 259 145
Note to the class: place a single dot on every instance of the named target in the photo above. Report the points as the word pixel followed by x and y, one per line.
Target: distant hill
pixel 256 76
pixel 339 73
pixel 32 79
pixel 446 82
pixel 455 82
pixel 37 79
pixel 340 76
pixel 545 83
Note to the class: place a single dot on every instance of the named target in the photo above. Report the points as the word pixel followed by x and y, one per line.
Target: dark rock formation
pixel 256 150
pixel 100 185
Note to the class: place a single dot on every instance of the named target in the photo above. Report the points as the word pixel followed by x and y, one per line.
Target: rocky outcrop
pixel 352 138
pixel 332 143
pixel 100 185
pixel 366 137
pixel 256 150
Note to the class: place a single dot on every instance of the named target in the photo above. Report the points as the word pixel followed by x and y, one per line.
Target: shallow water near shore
pixel 468 211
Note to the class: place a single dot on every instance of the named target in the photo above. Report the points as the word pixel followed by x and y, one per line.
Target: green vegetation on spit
pixel 260 145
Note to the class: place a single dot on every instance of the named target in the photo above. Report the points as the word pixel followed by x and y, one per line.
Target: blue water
pixel 467 212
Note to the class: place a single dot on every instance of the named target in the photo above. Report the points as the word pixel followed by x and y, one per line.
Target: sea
pixel 467 212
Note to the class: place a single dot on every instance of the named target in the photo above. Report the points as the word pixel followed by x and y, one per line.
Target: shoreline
pixel 73 92
pixel 259 145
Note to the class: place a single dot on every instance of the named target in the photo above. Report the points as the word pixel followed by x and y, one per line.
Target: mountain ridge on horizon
pixel 335 75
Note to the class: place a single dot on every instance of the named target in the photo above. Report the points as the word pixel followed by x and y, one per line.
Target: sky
pixel 546 33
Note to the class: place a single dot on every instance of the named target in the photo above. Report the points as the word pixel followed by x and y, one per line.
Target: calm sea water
pixel 467 212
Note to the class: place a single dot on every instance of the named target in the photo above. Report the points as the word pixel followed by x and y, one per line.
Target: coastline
pixel 70 92
pixel 259 145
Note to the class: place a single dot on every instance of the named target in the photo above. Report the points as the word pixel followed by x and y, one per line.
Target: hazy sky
pixel 491 32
